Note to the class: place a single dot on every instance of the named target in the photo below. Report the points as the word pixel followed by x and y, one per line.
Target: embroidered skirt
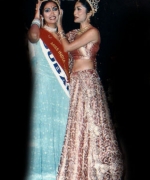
pixel 91 150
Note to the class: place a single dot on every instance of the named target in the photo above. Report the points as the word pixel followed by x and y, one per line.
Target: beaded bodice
pixel 89 51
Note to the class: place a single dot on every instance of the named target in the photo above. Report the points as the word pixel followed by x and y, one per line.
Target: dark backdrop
pixel 123 65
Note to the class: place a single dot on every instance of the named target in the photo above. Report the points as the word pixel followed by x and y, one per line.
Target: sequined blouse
pixel 89 51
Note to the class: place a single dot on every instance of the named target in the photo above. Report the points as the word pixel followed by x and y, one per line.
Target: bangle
pixel 60 32
pixel 36 21
pixel 61 35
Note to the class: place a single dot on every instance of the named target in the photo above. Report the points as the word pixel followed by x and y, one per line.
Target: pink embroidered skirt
pixel 90 150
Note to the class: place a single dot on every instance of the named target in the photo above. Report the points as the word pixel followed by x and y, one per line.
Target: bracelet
pixel 60 32
pixel 36 21
pixel 61 35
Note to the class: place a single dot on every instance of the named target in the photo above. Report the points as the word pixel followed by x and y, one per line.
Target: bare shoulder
pixel 94 30
pixel 94 33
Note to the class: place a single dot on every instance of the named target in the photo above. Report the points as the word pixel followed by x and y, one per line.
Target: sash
pixel 57 49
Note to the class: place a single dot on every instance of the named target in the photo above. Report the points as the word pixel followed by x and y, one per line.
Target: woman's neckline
pixel 84 29
pixel 50 29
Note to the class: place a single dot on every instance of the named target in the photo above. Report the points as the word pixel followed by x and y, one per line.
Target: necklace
pixel 50 29
pixel 81 31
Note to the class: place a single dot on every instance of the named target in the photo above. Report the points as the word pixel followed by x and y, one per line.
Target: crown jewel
pixel 56 1
pixel 94 5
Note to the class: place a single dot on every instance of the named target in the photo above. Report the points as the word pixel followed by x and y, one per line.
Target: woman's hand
pixel 37 9
pixel 59 22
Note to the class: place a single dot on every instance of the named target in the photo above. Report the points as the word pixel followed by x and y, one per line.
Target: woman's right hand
pixel 34 32
pixel 37 9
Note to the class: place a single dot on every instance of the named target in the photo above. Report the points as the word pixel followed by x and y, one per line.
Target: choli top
pixel 89 51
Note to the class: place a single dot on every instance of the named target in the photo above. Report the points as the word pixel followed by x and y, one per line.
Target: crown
pixel 94 5
pixel 56 1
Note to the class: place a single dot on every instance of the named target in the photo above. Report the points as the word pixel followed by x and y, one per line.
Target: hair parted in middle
pixel 44 2
pixel 57 2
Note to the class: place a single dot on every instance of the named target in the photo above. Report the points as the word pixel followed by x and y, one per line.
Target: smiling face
pixel 80 13
pixel 50 13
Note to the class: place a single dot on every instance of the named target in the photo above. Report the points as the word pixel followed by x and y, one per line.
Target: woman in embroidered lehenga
pixel 91 150
pixel 50 97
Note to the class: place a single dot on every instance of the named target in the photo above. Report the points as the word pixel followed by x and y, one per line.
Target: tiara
pixel 94 5
pixel 56 1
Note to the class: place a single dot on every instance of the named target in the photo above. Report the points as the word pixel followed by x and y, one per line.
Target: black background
pixel 123 65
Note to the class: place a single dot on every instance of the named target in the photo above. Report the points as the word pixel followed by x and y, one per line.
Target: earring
pixel 89 19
